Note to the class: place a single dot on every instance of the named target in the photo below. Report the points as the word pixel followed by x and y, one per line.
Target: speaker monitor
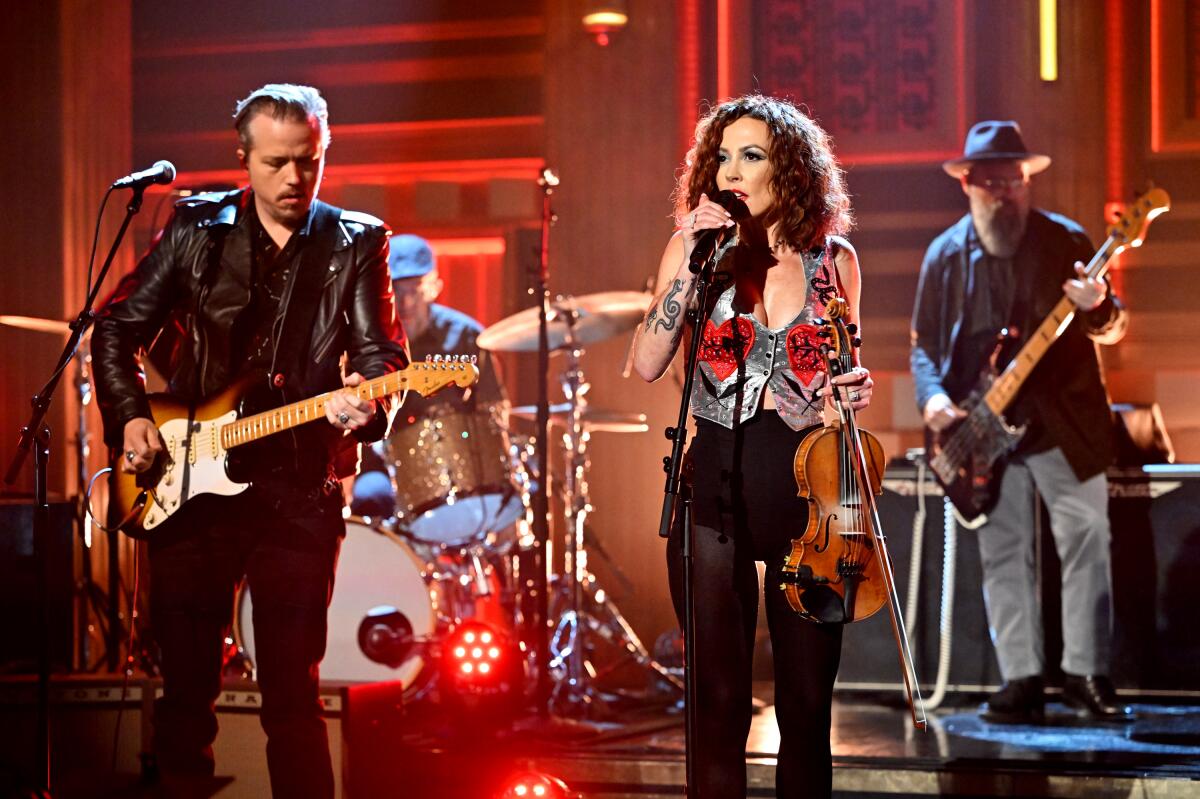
pixel 19 586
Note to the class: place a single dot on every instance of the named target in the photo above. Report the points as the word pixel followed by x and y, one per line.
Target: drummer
pixel 433 329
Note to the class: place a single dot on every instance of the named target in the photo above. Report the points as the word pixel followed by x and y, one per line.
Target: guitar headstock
pixel 438 371
pixel 1130 227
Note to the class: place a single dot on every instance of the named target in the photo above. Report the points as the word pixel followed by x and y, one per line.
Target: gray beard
pixel 1001 230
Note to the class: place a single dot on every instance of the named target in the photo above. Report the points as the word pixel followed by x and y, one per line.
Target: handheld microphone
pixel 163 172
pixel 710 240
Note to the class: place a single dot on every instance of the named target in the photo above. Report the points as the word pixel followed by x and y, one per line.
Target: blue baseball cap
pixel 410 256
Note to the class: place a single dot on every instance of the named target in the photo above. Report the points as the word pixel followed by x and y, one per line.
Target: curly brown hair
pixel 809 188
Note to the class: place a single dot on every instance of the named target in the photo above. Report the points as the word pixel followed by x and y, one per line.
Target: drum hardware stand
pixel 588 607
pixel 85 587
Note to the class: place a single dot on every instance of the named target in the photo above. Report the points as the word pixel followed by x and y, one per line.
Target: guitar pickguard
pixel 194 463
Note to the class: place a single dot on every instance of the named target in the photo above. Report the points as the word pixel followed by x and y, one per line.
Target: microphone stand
pixel 676 493
pixel 35 436
pixel 541 498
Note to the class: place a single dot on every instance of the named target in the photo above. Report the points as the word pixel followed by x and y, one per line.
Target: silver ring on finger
pixel 130 455
pixel 344 418
pixel 854 396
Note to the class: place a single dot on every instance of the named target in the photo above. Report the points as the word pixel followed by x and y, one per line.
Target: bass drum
pixel 381 601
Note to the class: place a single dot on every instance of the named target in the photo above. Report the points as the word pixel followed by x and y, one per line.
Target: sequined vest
pixel 740 356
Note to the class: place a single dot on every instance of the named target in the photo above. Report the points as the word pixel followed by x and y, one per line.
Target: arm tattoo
pixel 671 308
pixel 651 317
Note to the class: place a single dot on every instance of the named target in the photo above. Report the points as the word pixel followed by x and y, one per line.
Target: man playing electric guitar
pixel 269 284
pixel 1001 269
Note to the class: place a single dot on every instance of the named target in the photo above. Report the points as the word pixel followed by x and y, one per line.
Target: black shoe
pixel 1093 697
pixel 1017 702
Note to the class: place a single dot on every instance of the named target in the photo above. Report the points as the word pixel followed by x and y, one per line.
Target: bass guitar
pixel 963 456
pixel 197 439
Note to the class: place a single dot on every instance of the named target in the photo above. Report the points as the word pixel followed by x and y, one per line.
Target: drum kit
pixel 450 553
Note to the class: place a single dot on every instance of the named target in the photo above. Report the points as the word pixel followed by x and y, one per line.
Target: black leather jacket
pixel 172 306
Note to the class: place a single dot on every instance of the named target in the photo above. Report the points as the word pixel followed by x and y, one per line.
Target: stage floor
pixel 875 748
pixel 431 751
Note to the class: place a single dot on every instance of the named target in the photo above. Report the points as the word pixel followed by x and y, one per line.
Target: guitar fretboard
pixel 424 378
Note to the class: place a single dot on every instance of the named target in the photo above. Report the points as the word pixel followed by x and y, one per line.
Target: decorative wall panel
pixel 886 77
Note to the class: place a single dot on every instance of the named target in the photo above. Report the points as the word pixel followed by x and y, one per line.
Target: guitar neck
pixel 261 425
pixel 1004 389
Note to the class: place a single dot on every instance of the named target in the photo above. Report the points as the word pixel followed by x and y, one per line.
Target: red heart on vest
pixel 804 352
pixel 719 349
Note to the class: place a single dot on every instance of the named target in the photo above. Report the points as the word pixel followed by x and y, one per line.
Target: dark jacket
pixel 173 304
pixel 1065 393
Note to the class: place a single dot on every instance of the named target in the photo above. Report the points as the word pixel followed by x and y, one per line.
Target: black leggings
pixel 746 510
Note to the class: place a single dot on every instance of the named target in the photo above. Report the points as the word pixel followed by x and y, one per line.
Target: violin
pixel 839 570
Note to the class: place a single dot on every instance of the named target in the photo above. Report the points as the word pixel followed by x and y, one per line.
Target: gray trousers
pixel 1079 523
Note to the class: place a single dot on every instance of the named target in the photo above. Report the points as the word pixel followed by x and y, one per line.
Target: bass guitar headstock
pixel 1131 225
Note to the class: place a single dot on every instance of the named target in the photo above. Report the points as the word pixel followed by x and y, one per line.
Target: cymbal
pixel 594 419
pixel 593 317
pixel 36 323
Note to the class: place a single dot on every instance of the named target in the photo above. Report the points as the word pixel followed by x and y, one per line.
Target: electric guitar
pixel 197 440
pixel 963 456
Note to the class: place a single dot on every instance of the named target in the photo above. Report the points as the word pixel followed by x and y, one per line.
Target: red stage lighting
pixel 475 653
pixel 535 785
pixel 481 668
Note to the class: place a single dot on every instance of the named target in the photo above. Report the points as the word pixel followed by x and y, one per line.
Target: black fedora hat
pixel 995 140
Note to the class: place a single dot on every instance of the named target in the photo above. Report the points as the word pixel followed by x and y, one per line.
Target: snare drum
pixel 454 476
pixel 380 599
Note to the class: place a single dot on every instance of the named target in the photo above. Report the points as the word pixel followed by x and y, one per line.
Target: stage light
pixel 1048 39
pixel 602 19
pixel 535 785
pixel 481 671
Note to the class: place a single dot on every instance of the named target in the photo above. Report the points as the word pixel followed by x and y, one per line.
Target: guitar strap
pixel 303 296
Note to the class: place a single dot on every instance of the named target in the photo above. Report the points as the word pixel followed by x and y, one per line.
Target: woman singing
pixel 760 382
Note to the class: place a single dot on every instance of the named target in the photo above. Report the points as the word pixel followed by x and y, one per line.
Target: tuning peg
pixel 856 341
pixel 852 328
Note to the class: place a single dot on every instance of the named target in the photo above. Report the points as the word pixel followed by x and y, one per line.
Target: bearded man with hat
pixel 999 270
